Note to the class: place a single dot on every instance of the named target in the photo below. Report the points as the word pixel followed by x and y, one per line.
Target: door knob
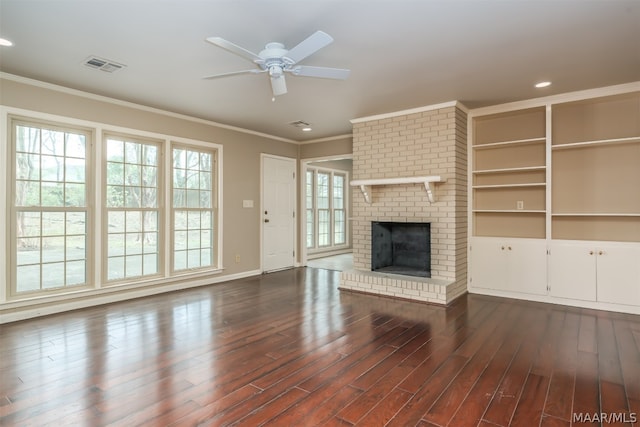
pixel 266 220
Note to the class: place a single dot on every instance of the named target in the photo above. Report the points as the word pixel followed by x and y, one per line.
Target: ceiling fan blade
pixel 278 85
pixel 308 46
pixel 234 48
pixel 234 73
pixel 322 72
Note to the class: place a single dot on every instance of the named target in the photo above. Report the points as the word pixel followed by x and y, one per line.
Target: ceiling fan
pixel 276 60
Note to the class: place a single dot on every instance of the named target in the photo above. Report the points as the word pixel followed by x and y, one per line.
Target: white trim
pixel 556 99
pixel 326 139
pixel 618 308
pixel 22 310
pixel 102 98
pixel 302 181
pixel 4 186
pixel 411 111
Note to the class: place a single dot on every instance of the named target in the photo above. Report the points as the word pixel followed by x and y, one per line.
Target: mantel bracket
pixel 366 192
pixel 365 185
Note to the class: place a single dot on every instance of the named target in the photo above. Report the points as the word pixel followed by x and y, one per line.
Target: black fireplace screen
pixel 401 248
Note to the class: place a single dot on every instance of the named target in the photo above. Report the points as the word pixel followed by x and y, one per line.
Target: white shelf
pixel 366 184
pixel 532 184
pixel 507 170
pixel 509 211
pixel 596 142
pixel 599 214
pixel 507 143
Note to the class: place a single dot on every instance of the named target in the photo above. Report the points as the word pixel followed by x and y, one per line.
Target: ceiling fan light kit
pixel 277 60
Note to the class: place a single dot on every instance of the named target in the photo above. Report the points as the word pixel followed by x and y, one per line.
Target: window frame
pixel 13 121
pixel 215 210
pixel 332 246
pixel 160 197
pixel 94 237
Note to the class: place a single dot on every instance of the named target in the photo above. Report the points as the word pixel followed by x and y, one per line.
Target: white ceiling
pixel 402 53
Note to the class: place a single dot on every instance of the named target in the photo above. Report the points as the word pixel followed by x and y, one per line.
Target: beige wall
pixel 342 145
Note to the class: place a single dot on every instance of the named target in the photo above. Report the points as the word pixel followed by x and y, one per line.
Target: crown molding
pixel 128 104
pixel 412 111
pixel 557 99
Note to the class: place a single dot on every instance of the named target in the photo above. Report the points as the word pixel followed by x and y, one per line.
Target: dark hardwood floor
pixel 289 349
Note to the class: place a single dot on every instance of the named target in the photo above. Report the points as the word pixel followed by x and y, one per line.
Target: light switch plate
pixel 247 203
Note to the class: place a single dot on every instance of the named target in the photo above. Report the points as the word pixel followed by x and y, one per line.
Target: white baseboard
pixel 27 310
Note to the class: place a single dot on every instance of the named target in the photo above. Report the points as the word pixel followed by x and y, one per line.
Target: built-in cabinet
pixel 555 201
pixel 518 265
pixel 595 271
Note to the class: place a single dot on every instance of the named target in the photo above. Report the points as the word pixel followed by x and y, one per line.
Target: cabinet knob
pixel 600 252
pixel 590 252
pixel 502 248
pixel 509 247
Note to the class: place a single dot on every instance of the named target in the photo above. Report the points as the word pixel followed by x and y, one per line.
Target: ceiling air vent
pixel 299 124
pixel 103 64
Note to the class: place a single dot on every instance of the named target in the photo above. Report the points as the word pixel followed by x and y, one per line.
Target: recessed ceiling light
pixel 307 129
pixel 543 84
pixel 5 42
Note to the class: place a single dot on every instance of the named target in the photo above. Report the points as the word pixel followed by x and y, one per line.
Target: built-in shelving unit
pixel 555 201
pixel 509 174
pixel 596 169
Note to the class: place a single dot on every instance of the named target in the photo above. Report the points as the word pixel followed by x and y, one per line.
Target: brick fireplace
pixel 430 142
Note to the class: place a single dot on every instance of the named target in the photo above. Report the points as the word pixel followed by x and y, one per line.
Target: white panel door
pixel 278 213
pixel 527 265
pixel 572 271
pixel 618 272
pixel 488 264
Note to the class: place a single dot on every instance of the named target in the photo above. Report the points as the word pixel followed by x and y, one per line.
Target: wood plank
pixel 560 395
pixel 288 348
pixel 531 402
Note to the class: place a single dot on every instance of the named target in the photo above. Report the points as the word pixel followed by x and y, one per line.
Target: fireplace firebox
pixel 401 248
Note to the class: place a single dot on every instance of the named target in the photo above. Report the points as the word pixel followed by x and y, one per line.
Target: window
pixel 131 199
pixel 326 207
pixel 193 210
pixel 50 209
pixel 156 216
pixel 310 210
pixel 339 223
pixel 322 202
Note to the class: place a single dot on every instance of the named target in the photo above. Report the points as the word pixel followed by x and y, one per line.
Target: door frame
pixel 263 156
pixel 302 182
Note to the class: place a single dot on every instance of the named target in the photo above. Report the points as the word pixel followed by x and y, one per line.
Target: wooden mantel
pixel 365 184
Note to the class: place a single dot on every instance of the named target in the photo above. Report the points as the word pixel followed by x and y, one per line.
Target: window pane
pixel 309 190
pixel 338 192
pixel 310 228
pixel 133 208
pixel 323 227
pixel 28 278
pixel 193 174
pixel 50 239
pixel 322 188
pixel 339 227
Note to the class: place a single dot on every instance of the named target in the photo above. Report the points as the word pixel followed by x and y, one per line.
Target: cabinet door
pixel 618 273
pixel 572 271
pixel 488 269
pixel 527 266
